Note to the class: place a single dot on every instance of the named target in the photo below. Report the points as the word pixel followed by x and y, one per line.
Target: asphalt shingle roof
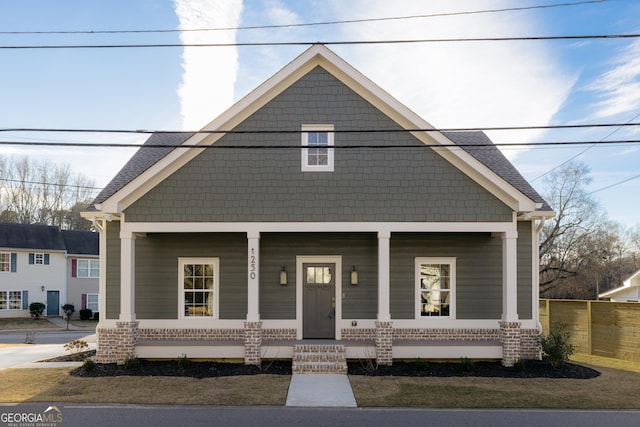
pixel 49 238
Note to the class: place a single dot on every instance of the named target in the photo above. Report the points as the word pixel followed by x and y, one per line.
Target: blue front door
pixel 53 303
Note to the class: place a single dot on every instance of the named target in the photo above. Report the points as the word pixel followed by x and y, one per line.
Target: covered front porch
pixel 270 332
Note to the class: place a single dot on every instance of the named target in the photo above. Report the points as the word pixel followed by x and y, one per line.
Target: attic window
pixel 317 154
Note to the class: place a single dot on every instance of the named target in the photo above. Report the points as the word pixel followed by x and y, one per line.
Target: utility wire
pixel 628 123
pixel 341 43
pixel 615 184
pixel 285 131
pixel 309 24
pixel 87 187
pixel 338 147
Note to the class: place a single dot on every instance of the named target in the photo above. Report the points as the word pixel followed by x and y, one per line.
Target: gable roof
pixel 629 284
pixel 47 238
pixel 486 165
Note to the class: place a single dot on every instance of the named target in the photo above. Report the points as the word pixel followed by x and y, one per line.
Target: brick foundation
pixel 447 334
pixel 384 343
pixel 529 348
pixel 510 339
pixel 252 343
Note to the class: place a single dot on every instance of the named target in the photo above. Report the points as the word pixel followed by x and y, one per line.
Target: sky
pixel 450 85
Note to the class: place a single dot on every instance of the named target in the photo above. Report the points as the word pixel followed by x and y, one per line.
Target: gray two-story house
pixel 318 209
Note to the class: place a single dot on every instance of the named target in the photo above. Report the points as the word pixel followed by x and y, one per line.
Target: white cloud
pixel 460 84
pixel 620 87
pixel 209 74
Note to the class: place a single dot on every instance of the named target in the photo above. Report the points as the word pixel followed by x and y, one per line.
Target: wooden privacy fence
pixel 601 328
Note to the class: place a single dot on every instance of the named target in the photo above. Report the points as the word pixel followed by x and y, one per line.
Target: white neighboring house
pixel 36 265
pixel 628 292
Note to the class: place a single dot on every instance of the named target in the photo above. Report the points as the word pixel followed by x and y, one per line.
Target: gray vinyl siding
pixel 248 185
pixel 281 249
pixel 478 272
pixel 157 272
pixel 113 270
pixel 525 276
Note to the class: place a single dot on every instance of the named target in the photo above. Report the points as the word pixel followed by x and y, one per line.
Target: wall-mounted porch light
pixel 42 288
pixel 283 277
pixel 354 276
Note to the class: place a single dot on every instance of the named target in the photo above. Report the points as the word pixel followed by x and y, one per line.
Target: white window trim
pixel 452 292
pixel 6 295
pixel 38 258
pixel 89 269
pixel 98 302
pixel 216 287
pixel 305 152
pixel 9 255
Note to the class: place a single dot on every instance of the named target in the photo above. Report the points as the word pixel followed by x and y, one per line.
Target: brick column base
pixel 384 343
pixel 127 335
pixel 252 343
pixel 510 338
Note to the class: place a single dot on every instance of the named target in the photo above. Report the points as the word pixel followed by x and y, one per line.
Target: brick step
pixel 319 359
pixel 320 368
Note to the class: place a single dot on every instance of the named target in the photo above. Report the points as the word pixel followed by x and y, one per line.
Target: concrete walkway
pixel 320 390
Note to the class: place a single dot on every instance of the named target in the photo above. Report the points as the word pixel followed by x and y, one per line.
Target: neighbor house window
pixel 93 302
pixel 317 151
pixel 39 259
pixel 11 300
pixel 198 287
pixel 5 262
pixel 88 268
pixel 435 287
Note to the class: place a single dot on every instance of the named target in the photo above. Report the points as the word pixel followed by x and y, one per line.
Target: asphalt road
pixel 98 415
pixel 43 337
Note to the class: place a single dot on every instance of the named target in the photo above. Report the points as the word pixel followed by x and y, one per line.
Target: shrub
pixel 130 363
pixel 518 365
pixel 96 316
pixel 421 365
pixel 466 364
pixel 76 346
pixel 85 314
pixel 68 309
pixel 556 346
pixel 183 362
pixel 36 309
pixel 89 365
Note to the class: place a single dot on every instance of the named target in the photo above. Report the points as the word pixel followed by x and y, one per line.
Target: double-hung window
pixel 5 262
pixel 88 268
pixel 11 300
pixel 317 148
pixel 93 302
pixel 435 287
pixel 199 278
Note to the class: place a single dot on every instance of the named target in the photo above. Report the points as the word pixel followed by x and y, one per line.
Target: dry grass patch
pixel 26 324
pixel 612 390
pixel 56 385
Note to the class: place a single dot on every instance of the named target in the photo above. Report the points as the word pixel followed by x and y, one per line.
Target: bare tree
pixel 42 193
pixel 563 238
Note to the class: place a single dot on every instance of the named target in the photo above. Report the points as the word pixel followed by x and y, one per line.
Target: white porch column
pixel 127 277
pixel 510 276
pixel 253 280
pixel 384 253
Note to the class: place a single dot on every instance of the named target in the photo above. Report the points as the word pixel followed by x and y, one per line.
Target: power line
pixel 285 131
pixel 309 43
pixel 615 184
pixel 309 24
pixel 86 187
pixel 337 147
pixel 628 123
